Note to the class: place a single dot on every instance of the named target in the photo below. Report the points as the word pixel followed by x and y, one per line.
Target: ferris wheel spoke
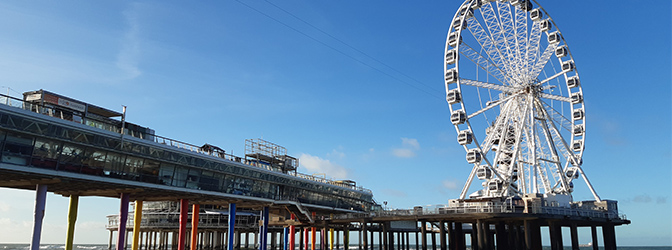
pixel 508 33
pixel 521 41
pixel 488 44
pixel 484 63
pixel 555 97
pixel 553 77
pixel 492 105
pixel 536 69
pixel 487 85
pixel 557 117
pixel 492 22
pixel 533 47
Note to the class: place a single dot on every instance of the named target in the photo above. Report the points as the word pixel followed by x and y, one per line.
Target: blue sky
pixel 353 88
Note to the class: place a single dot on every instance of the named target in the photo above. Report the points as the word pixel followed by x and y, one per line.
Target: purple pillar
pixel 40 204
pixel 123 217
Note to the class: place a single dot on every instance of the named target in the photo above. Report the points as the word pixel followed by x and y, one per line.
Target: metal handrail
pixel 491 208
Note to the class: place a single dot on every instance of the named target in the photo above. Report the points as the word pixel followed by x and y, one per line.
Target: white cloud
pixel 336 153
pixel 403 152
pixel 411 143
pixel 450 184
pixel 317 165
pixel 408 148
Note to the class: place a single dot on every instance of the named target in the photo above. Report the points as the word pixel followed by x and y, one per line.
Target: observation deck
pixel 81 149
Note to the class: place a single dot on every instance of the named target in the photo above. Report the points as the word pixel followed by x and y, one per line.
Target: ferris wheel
pixel 515 100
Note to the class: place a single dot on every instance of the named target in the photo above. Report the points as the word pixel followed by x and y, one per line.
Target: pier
pixel 199 197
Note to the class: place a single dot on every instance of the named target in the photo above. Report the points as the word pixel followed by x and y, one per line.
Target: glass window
pixel 166 173
pixel 180 177
pixel 150 171
pixel 97 158
pixel 17 149
pixel 114 164
pixel 133 165
pixel 46 149
pixel 193 178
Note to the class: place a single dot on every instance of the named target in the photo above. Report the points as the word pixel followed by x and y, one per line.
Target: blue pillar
pixel 40 204
pixel 285 243
pixel 263 229
pixel 232 224
pixel 123 216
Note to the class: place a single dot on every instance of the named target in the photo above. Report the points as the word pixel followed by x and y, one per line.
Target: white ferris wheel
pixel 515 100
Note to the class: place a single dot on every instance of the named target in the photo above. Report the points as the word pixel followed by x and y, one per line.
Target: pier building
pixel 53 143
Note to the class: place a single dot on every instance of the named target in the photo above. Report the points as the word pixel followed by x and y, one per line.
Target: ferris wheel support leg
pixel 590 186
pixel 463 194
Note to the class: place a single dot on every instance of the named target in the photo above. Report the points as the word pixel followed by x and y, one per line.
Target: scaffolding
pixel 262 152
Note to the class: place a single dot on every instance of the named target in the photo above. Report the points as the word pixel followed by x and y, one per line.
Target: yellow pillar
pixel 331 239
pixel 137 217
pixel 72 218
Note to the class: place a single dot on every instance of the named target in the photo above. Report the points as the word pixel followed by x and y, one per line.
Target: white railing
pixel 490 208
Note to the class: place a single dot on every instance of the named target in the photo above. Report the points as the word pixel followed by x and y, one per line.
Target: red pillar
pixel 184 218
pixel 292 231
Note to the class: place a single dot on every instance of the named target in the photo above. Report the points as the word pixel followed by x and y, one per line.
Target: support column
pixel 423 232
pixel 502 235
pixel 433 239
pixel 482 234
pixel 195 209
pixel 442 235
pixel 474 236
pixel 40 205
pixel 109 244
pixel 137 218
pixel 593 231
pixel 460 243
pixel 609 236
pixel 532 235
pixel 346 238
pixel 365 236
pixel 123 216
pixel 575 236
pixel 391 239
pixel 285 242
pixel 184 218
pixel 313 236
pixel 331 239
pixel 292 233
pixel 263 232
pixel 72 218
pixel 323 238
pixel 232 226
pixel 556 236
pixel 302 238
pixel 385 241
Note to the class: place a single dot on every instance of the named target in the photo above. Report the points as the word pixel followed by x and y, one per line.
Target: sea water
pixel 352 247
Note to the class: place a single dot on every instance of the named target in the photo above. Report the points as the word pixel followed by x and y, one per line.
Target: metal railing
pixel 171 220
pixel 490 208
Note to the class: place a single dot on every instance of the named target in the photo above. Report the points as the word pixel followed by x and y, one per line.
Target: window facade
pixel 29 142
